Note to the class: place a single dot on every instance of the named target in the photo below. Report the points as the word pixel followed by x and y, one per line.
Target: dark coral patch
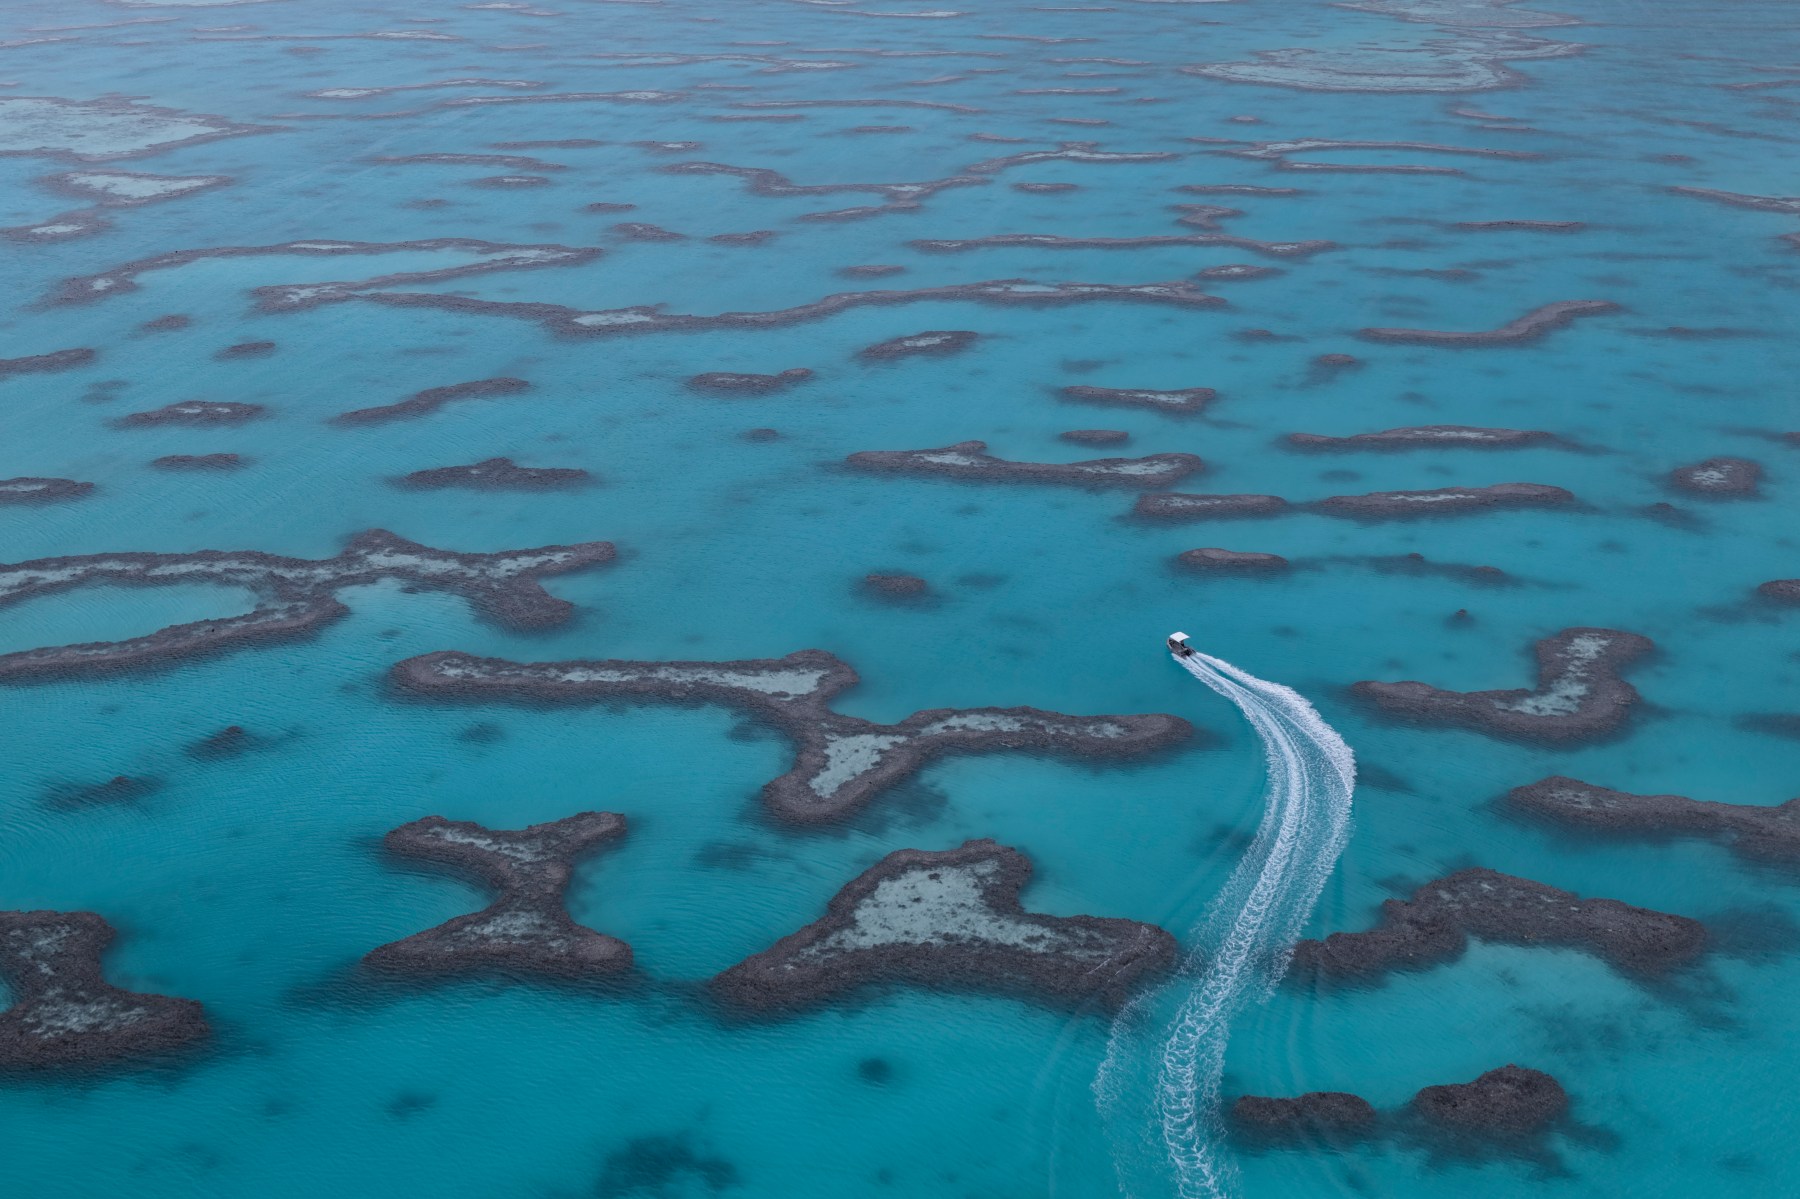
pixel 526 930
pixel 1444 501
pixel 1769 834
pixel 494 474
pixel 840 762
pixel 640 231
pixel 952 920
pixel 1718 477
pixel 1579 693
pixel 1185 401
pixel 64 1012
pixel 1510 1106
pixel 1527 328
pixel 1509 1101
pixel 970 460
pixel 652 318
pixel 31 489
pixel 896 588
pixel 295 596
pixel 482 257
pixel 1175 505
pixel 1435 925
pixel 511 182
pixel 1327 365
pixel 431 399
pixel 1239 271
pixel 193 412
pixel 1095 436
pixel 56 360
pixel 246 349
pixel 518 162
pixel 1520 226
pixel 932 342
pixel 1241 562
pixel 200 462
pixel 1425 437
pixel 740 383
pixel 1328 1116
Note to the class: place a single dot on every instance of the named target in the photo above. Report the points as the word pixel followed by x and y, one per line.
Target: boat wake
pixel 1241 948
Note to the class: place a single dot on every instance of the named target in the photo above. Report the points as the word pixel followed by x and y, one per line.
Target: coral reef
pixel 1425 436
pixel 526 930
pixel 1767 834
pixel 733 382
pixel 106 129
pixel 1443 501
pixel 483 257
pixel 193 412
pixel 1435 925
pixel 1509 1101
pixel 841 762
pixel 35 490
pixel 949 919
pixel 423 403
pixel 933 342
pixel 1579 694
pixel 294 596
pixel 1175 505
pixel 494 474
pixel 1503 1105
pixel 896 587
pixel 1185 401
pixel 969 460
pixel 1718 477
pixel 1527 328
pixel 1218 561
pixel 56 360
pixel 1314 1116
pixel 64 1012
pixel 200 462
pixel 650 318
pixel 1470 63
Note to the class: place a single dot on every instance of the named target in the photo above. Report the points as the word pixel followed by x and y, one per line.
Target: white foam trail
pixel 1243 945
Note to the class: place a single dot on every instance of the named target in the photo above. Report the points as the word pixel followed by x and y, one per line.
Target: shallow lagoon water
pixel 255 883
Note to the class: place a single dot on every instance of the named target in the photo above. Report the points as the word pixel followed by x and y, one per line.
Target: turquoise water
pixel 254 884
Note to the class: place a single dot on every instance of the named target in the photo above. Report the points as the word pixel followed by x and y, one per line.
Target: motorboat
pixel 1178 645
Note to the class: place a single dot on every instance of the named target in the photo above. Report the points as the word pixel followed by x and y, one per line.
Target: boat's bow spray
pixel 1241 948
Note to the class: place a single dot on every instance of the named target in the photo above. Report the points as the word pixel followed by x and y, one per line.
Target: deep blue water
pixel 255 884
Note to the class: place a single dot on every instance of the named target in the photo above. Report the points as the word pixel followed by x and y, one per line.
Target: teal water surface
pixel 255 884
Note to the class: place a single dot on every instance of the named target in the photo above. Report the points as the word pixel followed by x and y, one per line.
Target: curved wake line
pixel 1247 937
